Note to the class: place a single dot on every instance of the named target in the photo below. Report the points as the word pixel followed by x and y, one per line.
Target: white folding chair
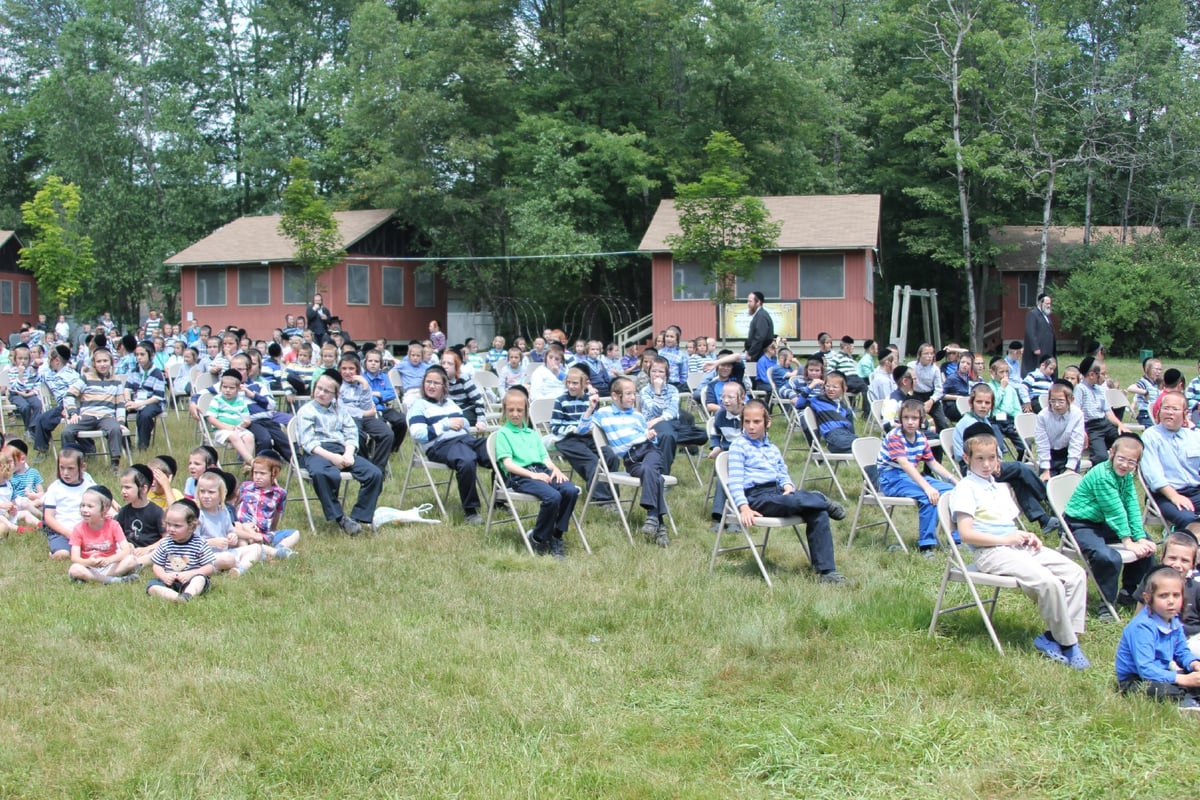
pixel 417 462
pixel 615 479
pixel 296 468
pixel 963 404
pixel 957 570
pixel 946 437
pixel 1058 491
pixel 99 437
pixel 865 451
pixel 819 456
pixel 1026 425
pixel 1151 513
pixel 488 383
pixel 875 419
pixel 511 497
pixel 1117 401
pixel 694 380
pixel 758 549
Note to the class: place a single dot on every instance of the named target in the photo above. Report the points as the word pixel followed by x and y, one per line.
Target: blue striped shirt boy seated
pixel 630 439
pixel 759 485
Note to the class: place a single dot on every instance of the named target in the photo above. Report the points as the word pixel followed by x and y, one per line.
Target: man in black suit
pixel 316 316
pixel 1039 334
pixel 762 328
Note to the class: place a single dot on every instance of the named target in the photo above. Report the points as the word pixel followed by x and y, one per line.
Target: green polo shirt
pixel 523 445
pixel 1102 496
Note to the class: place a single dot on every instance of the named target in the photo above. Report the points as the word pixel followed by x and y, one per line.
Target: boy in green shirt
pixel 527 468
pixel 1007 405
pixel 1104 510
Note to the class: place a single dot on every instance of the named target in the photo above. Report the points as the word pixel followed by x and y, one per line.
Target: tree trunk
pixel 1047 205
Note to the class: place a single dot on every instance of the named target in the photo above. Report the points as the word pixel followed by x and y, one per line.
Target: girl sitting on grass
pixel 99 551
pixel 1153 639
pixel 216 527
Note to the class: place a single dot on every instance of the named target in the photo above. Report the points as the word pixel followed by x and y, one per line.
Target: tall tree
pixel 308 223
pixel 722 228
pixel 59 254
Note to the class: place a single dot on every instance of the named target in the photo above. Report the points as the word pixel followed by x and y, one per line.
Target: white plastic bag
pixel 384 515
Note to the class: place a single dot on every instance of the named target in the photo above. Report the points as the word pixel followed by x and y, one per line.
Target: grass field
pixel 432 661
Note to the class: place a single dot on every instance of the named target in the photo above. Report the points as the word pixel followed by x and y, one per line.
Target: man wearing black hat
pixel 317 317
pixel 1039 334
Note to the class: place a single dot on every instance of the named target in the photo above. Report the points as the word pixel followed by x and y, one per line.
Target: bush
pixel 1135 296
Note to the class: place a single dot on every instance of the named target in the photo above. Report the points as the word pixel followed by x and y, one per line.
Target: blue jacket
pixel 1148 645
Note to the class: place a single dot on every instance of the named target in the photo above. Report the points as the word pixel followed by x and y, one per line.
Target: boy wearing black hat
pixel 229 416
pixel 60 379
pixel 139 518
pixel 985 516
pixel 328 438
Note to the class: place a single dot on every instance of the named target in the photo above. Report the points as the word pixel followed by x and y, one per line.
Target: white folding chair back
pixel 511 497
pixel 616 479
pixel 865 451
pixel 958 571
pixel 963 404
pixel 758 549
pixel 875 419
pixel 1151 514
pixel 819 456
pixel 1058 491
pixel 302 477
pixel 946 437
pixel 488 383
pixel 1118 400
pixel 1026 425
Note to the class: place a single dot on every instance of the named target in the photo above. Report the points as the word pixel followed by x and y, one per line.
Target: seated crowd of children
pixel 626 409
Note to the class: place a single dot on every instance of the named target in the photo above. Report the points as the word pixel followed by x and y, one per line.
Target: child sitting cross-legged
pixel 260 508
pixel 760 486
pixel 139 518
pixel 527 468
pixel 99 551
pixel 985 515
pixel 184 562
pixel 1153 639
pixel 216 525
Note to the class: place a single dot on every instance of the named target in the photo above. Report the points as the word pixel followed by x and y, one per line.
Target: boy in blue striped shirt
pixel 760 486
pixel 637 444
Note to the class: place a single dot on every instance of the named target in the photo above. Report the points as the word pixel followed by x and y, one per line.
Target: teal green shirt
pixel 523 445
pixel 1102 496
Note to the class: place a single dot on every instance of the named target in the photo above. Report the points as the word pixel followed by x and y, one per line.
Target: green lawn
pixel 432 661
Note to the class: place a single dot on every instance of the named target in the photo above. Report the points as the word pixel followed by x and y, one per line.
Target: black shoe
pixel 836 510
pixel 540 548
pixel 350 526
pixel 1126 600
pixel 558 548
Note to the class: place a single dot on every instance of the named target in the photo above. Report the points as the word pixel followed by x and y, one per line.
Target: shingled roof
pixel 254 240
pixel 810 222
pixel 1023 243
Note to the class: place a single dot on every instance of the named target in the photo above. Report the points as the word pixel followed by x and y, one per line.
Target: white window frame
pixel 351 269
pixel 213 273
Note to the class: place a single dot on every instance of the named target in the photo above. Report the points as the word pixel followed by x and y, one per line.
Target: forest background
pixel 525 127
